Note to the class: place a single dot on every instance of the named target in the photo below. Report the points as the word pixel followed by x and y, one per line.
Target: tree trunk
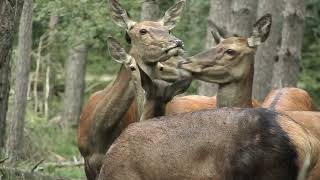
pixel 219 14
pixel 243 15
pixel 15 136
pixel 9 18
pixel 286 70
pixel 49 71
pixel 267 54
pixel 74 85
pixel 150 10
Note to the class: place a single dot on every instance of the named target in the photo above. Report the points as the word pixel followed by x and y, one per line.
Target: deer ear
pixel 146 81
pixel 117 52
pixel 217 37
pixel 172 15
pixel 120 16
pixel 261 31
pixel 217 32
pixel 177 88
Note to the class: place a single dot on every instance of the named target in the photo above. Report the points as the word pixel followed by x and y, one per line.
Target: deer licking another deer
pixel 109 111
pixel 227 143
pixel 157 92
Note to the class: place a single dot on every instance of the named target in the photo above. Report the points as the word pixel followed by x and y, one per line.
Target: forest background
pixel 70 60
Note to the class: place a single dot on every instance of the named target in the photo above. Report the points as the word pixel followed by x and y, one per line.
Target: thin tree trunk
pixel 36 75
pixel 286 70
pixel 74 86
pixel 9 18
pixel 15 136
pixel 50 75
pixel 150 10
pixel 267 54
pixel 219 14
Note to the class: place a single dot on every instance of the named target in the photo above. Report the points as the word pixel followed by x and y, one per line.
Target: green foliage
pixel 310 63
pixel 46 140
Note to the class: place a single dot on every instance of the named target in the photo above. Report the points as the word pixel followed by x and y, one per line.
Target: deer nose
pixel 179 43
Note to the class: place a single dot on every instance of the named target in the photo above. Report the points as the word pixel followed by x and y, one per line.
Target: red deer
pixel 289 99
pixel 227 143
pixel 157 92
pixel 109 111
pixel 232 68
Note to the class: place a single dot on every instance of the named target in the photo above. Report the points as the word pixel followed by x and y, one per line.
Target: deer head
pixel 158 93
pixel 151 40
pixel 231 60
pixel 168 70
pixel 119 54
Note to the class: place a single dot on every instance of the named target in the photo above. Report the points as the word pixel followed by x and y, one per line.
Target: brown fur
pixel 195 103
pixel 310 121
pixel 223 144
pixel 289 99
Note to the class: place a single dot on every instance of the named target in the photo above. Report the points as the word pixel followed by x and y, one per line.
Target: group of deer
pixel 241 140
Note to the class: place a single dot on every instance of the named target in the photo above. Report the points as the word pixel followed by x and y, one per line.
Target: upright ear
pixel 261 31
pixel 217 32
pixel 119 15
pixel 117 52
pixel 172 15
pixel 177 88
pixel 146 82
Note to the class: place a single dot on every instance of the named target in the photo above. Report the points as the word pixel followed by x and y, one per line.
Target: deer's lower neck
pixel 115 102
pixel 236 94
pixel 153 109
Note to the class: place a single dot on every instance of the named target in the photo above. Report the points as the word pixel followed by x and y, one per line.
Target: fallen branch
pixel 35 166
pixel 64 164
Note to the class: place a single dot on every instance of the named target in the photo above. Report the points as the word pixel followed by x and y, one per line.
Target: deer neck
pixel 116 102
pixel 149 68
pixel 152 109
pixel 237 93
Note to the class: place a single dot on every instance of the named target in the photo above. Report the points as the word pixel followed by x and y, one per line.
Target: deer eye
pixel 143 31
pixel 231 52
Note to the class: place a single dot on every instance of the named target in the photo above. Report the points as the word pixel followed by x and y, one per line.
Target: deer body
pixel 311 121
pixel 226 143
pixel 108 112
pixel 289 99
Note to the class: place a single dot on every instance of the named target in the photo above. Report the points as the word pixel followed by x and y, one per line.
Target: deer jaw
pixel 168 70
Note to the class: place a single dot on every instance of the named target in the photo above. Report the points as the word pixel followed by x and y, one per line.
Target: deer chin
pixel 174 51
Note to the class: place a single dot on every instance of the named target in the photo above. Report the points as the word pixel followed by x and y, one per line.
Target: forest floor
pixel 50 150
